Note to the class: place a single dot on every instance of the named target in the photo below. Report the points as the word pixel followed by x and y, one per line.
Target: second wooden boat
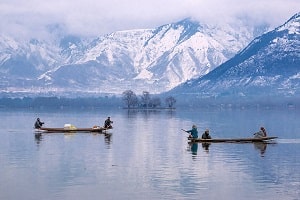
pixel 215 140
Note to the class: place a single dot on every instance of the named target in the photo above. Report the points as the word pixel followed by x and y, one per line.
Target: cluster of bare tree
pixel 131 100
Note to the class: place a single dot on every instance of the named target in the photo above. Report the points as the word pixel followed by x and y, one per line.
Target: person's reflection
pixel 194 148
pixel 38 137
pixel 205 146
pixel 107 138
pixel 261 146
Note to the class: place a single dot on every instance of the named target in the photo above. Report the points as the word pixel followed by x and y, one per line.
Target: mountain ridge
pixel 154 60
pixel 268 66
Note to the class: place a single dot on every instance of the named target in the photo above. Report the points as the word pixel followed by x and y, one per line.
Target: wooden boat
pixel 216 140
pixel 71 130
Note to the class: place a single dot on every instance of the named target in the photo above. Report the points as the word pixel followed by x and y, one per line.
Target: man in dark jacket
pixel 38 123
pixel 206 135
pixel 107 123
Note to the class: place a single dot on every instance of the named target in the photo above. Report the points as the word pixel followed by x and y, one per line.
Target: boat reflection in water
pixel 193 147
pixel 38 136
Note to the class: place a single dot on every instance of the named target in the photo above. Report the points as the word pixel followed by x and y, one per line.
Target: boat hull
pixel 72 130
pixel 216 140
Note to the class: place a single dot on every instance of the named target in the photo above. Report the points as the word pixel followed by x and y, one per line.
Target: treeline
pixel 146 101
pixel 128 100
pixel 59 102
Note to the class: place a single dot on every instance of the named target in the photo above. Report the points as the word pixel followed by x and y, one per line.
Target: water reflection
pixel 107 138
pixel 261 147
pixel 194 148
pixel 147 113
pixel 205 146
pixel 145 158
pixel 38 138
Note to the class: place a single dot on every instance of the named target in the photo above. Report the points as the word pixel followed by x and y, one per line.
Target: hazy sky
pixel 98 17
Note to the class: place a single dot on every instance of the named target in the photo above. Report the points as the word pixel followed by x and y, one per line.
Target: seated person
pixel 38 124
pixel 107 123
pixel 206 135
pixel 261 133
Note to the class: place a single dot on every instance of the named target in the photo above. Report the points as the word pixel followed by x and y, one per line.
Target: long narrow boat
pixel 71 130
pixel 216 140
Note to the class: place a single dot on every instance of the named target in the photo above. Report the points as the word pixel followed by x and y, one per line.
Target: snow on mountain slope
pixel 153 60
pixel 26 60
pixel 268 66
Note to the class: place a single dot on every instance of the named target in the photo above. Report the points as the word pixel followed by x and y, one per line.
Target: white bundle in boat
pixel 69 127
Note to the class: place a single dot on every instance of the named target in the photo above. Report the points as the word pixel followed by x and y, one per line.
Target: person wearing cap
pixel 206 135
pixel 193 132
pixel 261 133
pixel 107 123
pixel 38 124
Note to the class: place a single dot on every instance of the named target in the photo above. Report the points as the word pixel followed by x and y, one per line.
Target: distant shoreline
pixel 162 108
pixel 80 103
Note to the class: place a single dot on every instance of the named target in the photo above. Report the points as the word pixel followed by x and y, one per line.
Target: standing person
pixel 206 135
pixel 261 133
pixel 193 132
pixel 38 124
pixel 107 123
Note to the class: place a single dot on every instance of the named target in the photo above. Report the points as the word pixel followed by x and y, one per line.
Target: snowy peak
pixel 292 25
pixel 189 28
pixel 268 66
pixel 153 60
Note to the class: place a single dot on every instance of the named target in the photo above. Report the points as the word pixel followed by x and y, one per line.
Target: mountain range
pixel 154 60
pixel 268 67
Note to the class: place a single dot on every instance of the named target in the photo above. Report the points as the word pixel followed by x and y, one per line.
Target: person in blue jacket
pixel 193 132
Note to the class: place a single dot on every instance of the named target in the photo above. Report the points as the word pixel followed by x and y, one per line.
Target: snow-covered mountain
pixel 153 60
pixel 268 66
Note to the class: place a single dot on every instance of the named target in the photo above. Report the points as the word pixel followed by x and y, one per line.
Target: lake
pixel 147 155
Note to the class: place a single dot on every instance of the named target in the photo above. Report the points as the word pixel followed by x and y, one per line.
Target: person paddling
pixel 38 124
pixel 193 132
pixel 107 123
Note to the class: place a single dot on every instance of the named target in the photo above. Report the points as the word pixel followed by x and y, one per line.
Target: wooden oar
pixel 187 132
pixel 184 130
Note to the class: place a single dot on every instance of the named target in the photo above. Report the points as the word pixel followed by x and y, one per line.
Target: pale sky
pixel 99 17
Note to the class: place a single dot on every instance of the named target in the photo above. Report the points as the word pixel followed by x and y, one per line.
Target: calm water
pixel 148 157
